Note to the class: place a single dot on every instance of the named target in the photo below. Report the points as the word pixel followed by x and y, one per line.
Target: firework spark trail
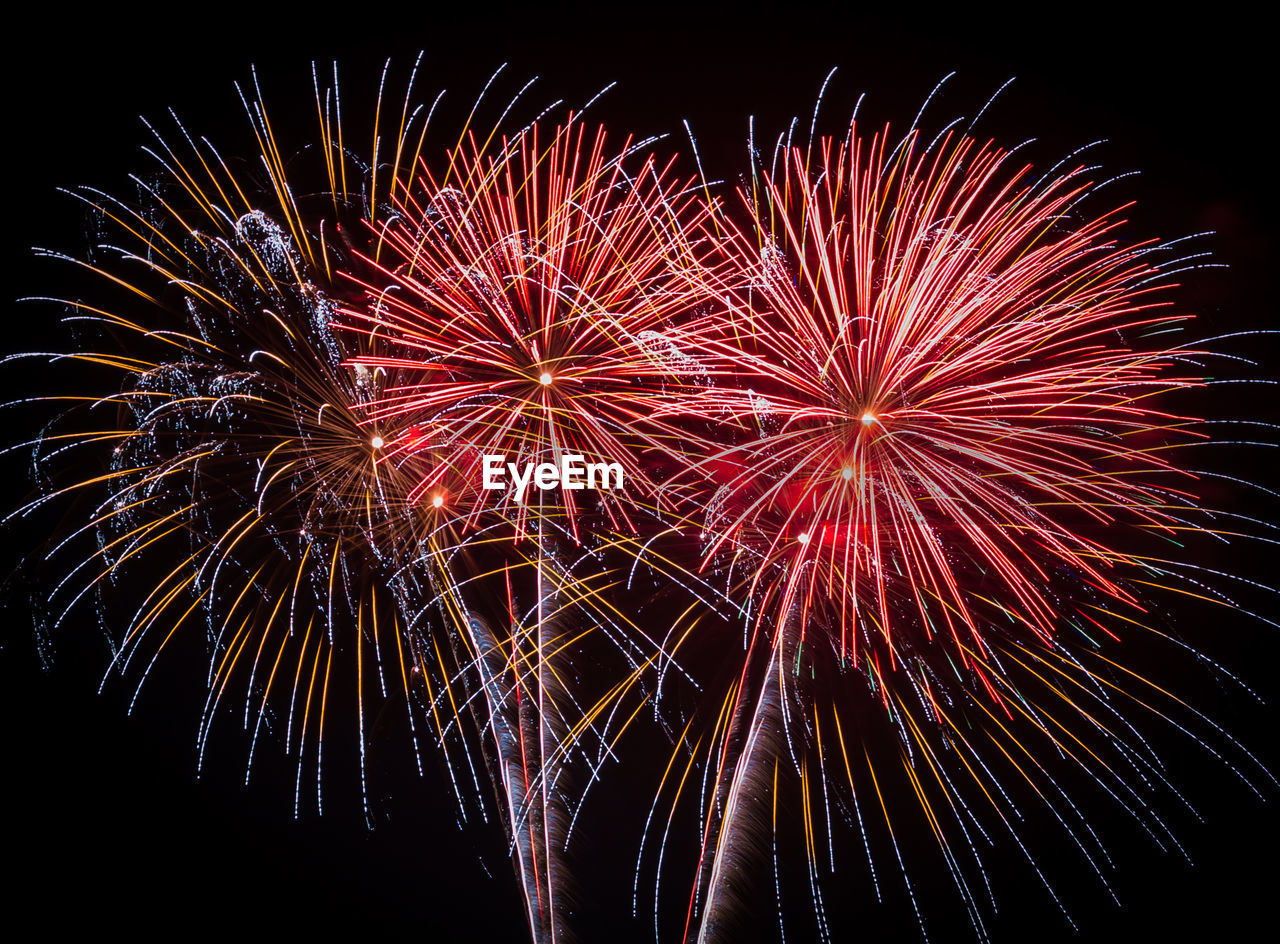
pixel 735 830
pixel 241 455
pixel 541 716
pixel 943 452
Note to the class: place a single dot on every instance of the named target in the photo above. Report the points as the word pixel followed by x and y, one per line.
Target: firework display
pixel 852 484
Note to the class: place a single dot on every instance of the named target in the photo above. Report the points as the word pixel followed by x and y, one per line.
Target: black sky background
pixel 105 822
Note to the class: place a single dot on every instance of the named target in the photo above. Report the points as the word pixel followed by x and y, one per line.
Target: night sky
pixel 107 826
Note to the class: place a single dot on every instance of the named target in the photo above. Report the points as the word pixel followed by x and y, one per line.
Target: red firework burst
pixel 945 444
pixel 950 394
pixel 528 306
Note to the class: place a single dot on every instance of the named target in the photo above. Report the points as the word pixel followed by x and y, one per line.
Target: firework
pixel 947 465
pixel 528 297
pixel 231 474
pixel 223 448
pixel 530 300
